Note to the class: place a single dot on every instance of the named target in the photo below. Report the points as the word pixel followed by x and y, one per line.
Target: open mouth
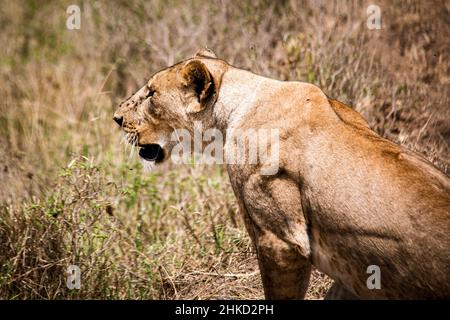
pixel 151 152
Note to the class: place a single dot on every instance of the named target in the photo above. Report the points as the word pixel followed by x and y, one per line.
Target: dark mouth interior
pixel 152 152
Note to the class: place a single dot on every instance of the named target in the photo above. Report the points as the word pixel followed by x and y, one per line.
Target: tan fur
pixel 343 198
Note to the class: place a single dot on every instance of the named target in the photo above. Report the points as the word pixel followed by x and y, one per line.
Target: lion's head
pixel 172 99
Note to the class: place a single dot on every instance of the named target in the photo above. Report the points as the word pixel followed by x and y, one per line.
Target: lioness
pixel 343 198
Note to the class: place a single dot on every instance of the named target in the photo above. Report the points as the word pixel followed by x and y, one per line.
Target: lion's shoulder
pixel 347 114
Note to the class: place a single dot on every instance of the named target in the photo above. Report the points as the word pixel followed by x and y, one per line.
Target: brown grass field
pixel 71 193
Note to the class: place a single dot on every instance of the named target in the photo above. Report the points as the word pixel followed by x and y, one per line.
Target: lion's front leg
pixel 284 270
pixel 339 292
pixel 275 222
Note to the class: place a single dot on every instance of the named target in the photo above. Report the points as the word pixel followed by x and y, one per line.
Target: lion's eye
pixel 150 93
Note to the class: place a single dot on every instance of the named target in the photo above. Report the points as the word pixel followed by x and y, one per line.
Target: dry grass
pixel 69 193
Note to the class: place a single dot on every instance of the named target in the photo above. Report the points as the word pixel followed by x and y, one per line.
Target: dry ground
pixel 69 193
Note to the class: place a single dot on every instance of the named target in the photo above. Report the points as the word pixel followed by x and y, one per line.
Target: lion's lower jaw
pixel 147 165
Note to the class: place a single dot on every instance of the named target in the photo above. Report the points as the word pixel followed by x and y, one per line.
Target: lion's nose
pixel 118 119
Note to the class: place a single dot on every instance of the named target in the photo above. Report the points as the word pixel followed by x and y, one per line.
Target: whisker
pixel 147 166
pixel 130 140
pixel 135 146
pixel 122 139
pixel 131 153
pixel 127 145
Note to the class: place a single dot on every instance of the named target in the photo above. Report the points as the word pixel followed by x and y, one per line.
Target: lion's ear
pixel 199 83
pixel 205 53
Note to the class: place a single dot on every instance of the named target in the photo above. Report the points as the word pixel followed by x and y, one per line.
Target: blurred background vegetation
pixel 70 193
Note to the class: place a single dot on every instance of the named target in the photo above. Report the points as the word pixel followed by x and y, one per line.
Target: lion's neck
pixel 239 92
